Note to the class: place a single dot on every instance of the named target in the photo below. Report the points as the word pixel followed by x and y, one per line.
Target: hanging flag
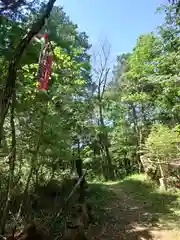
pixel 45 62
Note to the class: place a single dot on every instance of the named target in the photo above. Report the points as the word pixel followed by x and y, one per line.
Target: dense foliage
pixel 145 90
pixel 108 125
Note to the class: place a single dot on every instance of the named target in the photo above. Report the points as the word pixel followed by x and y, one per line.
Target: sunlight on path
pixel 131 216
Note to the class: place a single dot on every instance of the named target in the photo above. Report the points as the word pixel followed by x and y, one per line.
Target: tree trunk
pixel 33 166
pixel 4 146
pixel 12 159
pixel 163 179
pixel 109 161
pixel 137 130
pixel 104 144
pixel 79 166
pixel 25 192
pixel 13 65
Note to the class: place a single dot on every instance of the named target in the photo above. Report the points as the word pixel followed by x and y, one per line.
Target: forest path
pixel 134 210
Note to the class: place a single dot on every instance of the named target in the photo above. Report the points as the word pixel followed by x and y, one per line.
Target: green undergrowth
pixel 100 197
pixel 156 208
pixel 140 197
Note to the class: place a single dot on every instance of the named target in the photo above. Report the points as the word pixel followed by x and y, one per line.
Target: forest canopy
pixel 129 123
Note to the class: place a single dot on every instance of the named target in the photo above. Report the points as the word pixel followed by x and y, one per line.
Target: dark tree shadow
pixel 43 205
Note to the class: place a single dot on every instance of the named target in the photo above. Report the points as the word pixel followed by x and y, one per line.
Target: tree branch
pixel 11 6
pixel 12 71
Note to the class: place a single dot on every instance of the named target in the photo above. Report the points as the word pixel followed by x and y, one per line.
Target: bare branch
pixel 101 68
pixel 105 81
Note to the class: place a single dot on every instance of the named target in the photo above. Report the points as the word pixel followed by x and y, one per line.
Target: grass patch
pixel 163 207
pixel 100 196
pixel 144 199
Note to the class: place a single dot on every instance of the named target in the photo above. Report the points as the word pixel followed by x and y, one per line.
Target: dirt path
pixel 132 218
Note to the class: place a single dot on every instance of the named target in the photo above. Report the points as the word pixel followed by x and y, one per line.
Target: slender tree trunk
pixel 164 174
pixel 104 143
pixel 12 159
pixel 138 136
pixel 33 166
pixel 13 65
pixel 4 150
pixel 79 169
